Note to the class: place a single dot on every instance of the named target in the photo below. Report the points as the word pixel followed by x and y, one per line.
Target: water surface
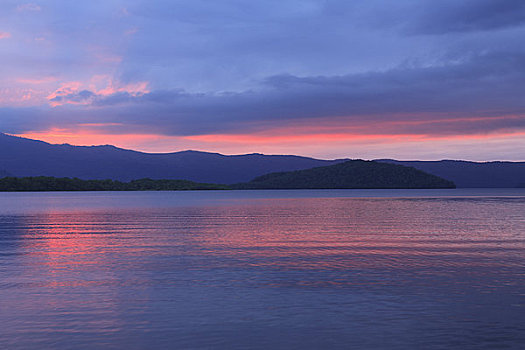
pixel 375 269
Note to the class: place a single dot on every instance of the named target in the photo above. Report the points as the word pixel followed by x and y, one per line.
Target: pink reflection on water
pixel 117 272
pixel 352 233
pixel 68 272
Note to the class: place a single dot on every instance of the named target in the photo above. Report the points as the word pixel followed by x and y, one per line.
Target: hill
pixel 25 157
pixel 350 174
pixel 472 174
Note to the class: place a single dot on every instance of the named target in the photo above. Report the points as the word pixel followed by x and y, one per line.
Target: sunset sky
pixel 405 79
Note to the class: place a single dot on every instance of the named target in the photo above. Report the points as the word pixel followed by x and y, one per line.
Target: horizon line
pixel 263 154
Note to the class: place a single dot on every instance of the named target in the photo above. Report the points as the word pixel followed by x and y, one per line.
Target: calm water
pixel 374 269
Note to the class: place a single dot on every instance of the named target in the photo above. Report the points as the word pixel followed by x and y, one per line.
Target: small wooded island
pixel 357 174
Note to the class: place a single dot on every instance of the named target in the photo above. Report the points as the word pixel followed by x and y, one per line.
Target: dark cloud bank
pixel 474 84
pixel 479 88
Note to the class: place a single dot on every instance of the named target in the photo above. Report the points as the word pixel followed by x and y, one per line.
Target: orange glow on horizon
pixel 90 138
pixel 278 141
pixel 62 136
pixel 262 139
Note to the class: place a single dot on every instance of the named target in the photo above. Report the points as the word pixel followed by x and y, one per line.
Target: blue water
pixel 340 269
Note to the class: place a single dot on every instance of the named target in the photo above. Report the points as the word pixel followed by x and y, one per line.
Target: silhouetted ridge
pixel 350 174
pixel 471 174
pixel 24 157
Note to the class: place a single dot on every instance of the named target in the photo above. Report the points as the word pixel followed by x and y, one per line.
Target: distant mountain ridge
pixel 350 174
pixel 26 157
pixel 472 174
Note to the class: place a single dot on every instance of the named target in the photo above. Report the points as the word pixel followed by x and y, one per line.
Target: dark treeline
pixel 45 183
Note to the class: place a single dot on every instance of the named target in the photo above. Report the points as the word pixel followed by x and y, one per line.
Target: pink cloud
pixel 64 90
pixel 132 31
pixel 28 7
pixel 76 92
pixel 105 85
pixel 132 88
pixel 5 35
pixel 14 96
pixel 124 12
pixel 36 81
pixel 103 55
pixel 108 58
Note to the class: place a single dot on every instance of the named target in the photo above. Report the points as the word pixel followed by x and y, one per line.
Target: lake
pixel 303 269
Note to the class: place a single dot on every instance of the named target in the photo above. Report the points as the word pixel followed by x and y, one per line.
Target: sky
pixel 404 79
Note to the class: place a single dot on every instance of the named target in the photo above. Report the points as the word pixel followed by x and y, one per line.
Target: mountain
pixel 24 157
pixel 349 174
pixel 472 174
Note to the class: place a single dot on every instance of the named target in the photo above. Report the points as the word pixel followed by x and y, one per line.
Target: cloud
pixel 5 35
pixel 430 17
pixel 484 86
pixel 36 81
pixel 418 67
pixel 448 16
pixel 80 97
pixel 28 7
pixel 73 93
pixel 482 94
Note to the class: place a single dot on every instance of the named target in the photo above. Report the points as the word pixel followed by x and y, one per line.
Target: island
pixel 359 174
